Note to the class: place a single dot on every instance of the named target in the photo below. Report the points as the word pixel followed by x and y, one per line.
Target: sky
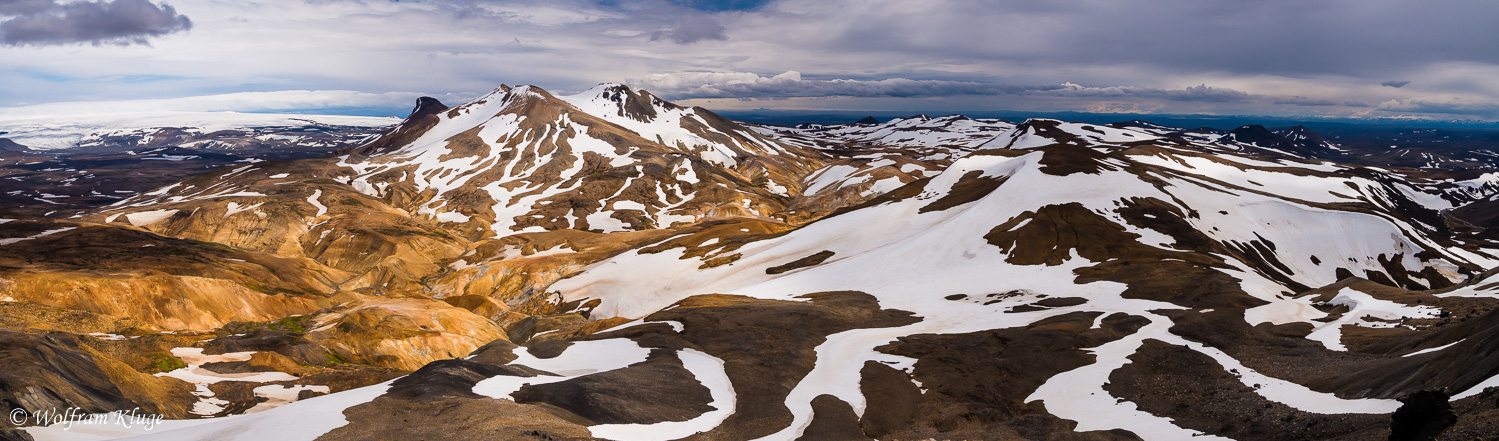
pixel 1430 59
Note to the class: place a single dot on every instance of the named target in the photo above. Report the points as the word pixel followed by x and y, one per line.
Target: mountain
pixel 13 154
pixel 610 159
pixel 952 131
pixel 1152 253
pixel 7 145
pixel 610 265
pixel 1310 141
pixel 1297 141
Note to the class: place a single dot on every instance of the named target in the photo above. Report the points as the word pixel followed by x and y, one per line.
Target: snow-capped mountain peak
pixel 624 159
pixel 1037 132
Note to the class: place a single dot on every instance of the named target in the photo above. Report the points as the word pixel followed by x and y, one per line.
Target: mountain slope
pixel 1066 279
pixel 1006 238
pixel 643 270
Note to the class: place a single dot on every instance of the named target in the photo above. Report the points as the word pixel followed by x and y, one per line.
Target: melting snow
pixel 1362 306
pixel 313 199
pixel 1430 350
pixel 38 235
pixel 143 218
pixel 581 358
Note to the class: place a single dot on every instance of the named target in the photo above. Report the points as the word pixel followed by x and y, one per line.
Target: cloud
pixel 792 84
pixel 1371 40
pixel 122 22
pixel 1395 84
pixel 1452 106
pixel 1238 57
pixel 1303 101
pixel 1201 93
pixel 23 7
pixel 688 85
pixel 1314 102
pixel 1121 108
pixel 683 85
pixel 690 30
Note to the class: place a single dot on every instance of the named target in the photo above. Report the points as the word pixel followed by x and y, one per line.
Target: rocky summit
pixel 611 265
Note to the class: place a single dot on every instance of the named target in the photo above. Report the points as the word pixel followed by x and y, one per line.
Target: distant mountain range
pixel 1221 122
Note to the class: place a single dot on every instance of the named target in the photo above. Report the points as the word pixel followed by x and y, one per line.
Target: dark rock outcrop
pixel 656 390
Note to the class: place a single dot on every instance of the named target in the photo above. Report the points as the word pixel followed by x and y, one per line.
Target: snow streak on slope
pixel 1361 306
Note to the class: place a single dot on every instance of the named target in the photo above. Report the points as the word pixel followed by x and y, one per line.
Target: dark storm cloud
pixel 1395 84
pixel 22 7
pixel 98 22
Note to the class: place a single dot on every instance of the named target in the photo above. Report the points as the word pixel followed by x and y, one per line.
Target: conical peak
pixel 609 91
pixel 1251 128
pixel 427 106
pixel 1038 122
pixel 619 100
